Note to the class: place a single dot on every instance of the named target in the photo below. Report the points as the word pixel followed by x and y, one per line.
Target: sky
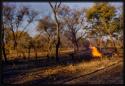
pixel 44 9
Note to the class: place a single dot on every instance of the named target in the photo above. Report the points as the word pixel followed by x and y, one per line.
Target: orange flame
pixel 95 52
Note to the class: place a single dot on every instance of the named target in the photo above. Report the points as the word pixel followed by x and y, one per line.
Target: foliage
pixel 100 11
pixel 70 29
pixel 103 18
pixel 72 20
pixel 15 19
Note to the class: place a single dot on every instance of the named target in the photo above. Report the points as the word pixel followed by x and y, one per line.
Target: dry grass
pixel 84 67
pixel 13 55
pixel 67 70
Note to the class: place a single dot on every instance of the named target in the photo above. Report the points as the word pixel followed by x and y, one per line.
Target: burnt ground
pixel 29 72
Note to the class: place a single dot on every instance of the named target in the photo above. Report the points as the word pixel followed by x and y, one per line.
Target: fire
pixel 95 52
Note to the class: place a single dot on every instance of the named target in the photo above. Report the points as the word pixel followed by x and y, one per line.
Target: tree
pixel 102 14
pixel 14 19
pixel 73 22
pixel 55 11
pixel 47 28
pixel 22 42
pixel 36 44
pixel 3 44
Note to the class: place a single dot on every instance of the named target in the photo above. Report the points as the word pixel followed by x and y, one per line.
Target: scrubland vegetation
pixel 59 48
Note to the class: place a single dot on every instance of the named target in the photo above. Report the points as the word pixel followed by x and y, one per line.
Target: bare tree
pixel 47 28
pixel 17 18
pixel 55 11
pixel 73 22
pixel 3 44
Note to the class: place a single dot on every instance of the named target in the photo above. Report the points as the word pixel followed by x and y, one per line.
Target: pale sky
pixel 44 9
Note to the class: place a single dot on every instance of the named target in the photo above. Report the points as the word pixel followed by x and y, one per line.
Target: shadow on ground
pixel 15 67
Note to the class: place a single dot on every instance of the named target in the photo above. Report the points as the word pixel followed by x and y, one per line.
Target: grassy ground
pixel 13 55
pixel 112 74
pixel 43 71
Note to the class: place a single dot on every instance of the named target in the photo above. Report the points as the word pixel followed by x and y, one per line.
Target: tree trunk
pixel 49 50
pixel 76 47
pixel 29 53
pixel 100 39
pixel 16 51
pixel 4 52
pixel 58 40
pixel 35 50
pixel 3 44
pixel 54 9
pixel 100 44
pixel 14 40
pixel 23 55
pixel 57 49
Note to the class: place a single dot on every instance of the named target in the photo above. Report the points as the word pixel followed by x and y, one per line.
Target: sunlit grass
pixel 68 70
